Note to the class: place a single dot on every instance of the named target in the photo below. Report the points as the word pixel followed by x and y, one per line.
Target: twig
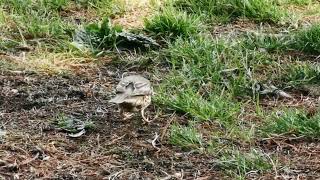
pixel 168 176
pixel 282 136
pixel 29 160
pixel 98 142
pixel 273 165
pixel 154 142
pixel 116 139
pixel 119 173
pixel 204 178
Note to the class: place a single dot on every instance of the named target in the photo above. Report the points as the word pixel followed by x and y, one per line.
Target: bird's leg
pixel 121 110
pixel 143 117
pixel 122 113
pixel 125 115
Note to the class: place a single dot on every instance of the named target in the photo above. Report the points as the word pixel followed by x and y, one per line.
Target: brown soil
pixel 35 148
pixel 300 158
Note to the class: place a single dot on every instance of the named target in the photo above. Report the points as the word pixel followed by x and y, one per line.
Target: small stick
pixel 154 142
pixel 115 140
pixel 29 160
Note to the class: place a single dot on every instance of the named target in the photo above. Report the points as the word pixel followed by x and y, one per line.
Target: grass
pixel 266 42
pixel 40 26
pixel 214 108
pixel 308 40
pixel 171 24
pixel 100 35
pixel 302 73
pixel 296 2
pixel 206 79
pixel 71 125
pixel 295 123
pixel 197 87
pixel 211 68
pixel 195 69
pixel 294 72
pixel 257 10
pixel 305 40
pixel 43 20
pixel 185 137
pixel 209 76
pixel 105 7
pixel 28 20
pixel 239 164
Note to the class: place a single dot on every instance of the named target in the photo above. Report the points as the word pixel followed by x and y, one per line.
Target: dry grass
pixel 135 13
pixel 306 15
pixel 53 63
pixel 57 63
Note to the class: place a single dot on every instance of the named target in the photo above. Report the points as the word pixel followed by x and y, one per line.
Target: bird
pixel 133 93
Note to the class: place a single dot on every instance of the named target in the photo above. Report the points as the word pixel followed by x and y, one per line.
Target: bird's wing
pixel 122 86
pixel 142 88
pixel 135 100
pixel 123 91
pixel 119 98
pixel 130 87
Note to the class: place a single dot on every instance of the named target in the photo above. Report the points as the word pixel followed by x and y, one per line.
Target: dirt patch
pixel 299 157
pixel 76 14
pixel 35 148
